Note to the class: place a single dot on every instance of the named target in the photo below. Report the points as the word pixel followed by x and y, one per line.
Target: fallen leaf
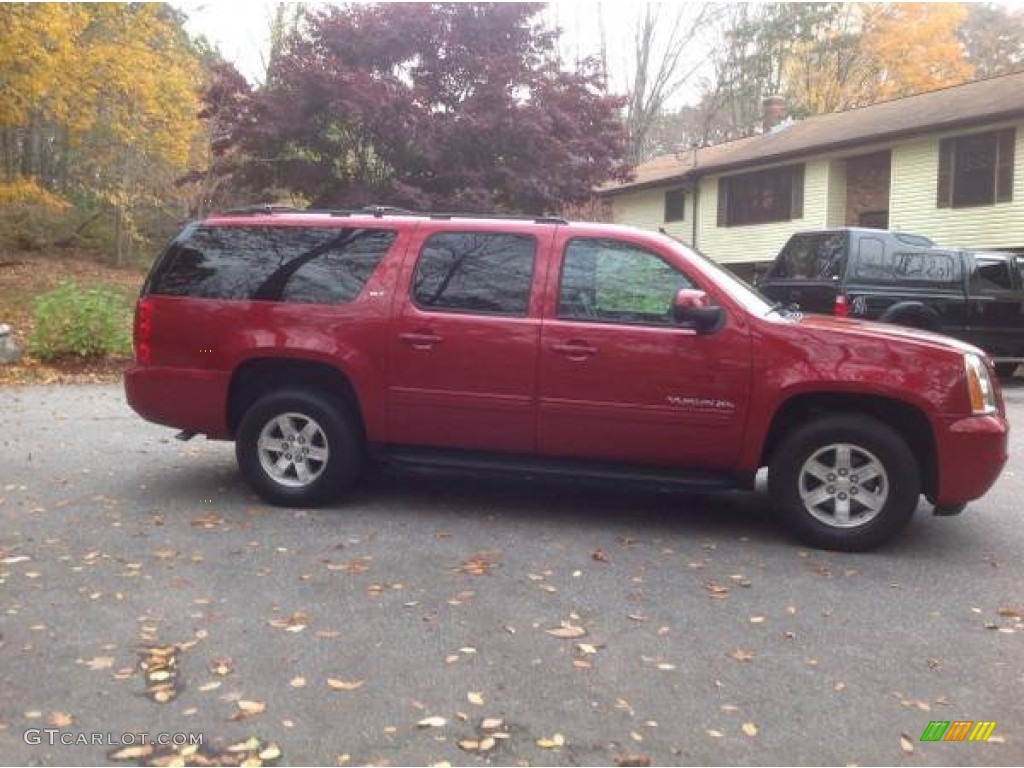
pixel 750 729
pixel 742 655
pixel 101 662
pixel 133 752
pixel 470 745
pixel 432 722
pixel 906 744
pixel 487 743
pixel 60 719
pixel 475 698
pixel 245 746
pixel 635 761
pixel 210 686
pixel 716 590
pixel 757 619
pixel 297 682
pixel 599 556
pixel 558 740
pixel 587 648
pixel 567 630
pixel 249 708
pixel 271 752
pixel 491 723
pixel 343 685
pixel 715 734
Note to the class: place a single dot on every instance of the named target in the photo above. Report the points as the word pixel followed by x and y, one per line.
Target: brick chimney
pixel 774 112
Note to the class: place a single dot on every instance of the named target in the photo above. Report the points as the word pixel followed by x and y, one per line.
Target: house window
pixel 976 169
pixel 675 205
pixel 762 196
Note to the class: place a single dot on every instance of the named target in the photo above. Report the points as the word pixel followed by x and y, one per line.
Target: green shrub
pixel 87 323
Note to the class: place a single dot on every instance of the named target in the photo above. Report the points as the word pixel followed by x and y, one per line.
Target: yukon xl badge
pixel 701 403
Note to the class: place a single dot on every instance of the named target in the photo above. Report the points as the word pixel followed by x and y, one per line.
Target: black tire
pixel 335 434
pixel 873 444
pixel 1006 370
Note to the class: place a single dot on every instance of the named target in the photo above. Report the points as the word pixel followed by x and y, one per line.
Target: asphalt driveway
pixel 434 618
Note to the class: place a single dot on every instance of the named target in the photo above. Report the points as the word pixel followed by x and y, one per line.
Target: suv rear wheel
pixel 297 448
pixel 845 482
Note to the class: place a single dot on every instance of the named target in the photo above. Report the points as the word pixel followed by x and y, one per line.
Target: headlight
pixel 979 385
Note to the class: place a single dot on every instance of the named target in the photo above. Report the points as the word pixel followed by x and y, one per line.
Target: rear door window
pixel 477 272
pixel 818 256
pixel 310 265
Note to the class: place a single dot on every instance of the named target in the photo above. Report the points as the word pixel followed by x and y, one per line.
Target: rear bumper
pixel 188 399
pixel 971 453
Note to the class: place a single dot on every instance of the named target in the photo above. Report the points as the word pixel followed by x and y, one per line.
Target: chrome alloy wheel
pixel 843 485
pixel 293 450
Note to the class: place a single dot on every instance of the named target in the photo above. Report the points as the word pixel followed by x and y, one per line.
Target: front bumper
pixel 971 452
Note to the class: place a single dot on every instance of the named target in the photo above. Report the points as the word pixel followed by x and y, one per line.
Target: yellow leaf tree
pixel 915 47
pixel 100 100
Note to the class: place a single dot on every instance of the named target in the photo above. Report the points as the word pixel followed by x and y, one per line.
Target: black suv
pixel 906 279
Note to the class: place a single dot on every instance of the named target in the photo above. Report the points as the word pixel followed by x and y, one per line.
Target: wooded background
pixel 116 124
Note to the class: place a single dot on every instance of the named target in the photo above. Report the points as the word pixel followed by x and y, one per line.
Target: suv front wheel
pixel 845 482
pixel 296 448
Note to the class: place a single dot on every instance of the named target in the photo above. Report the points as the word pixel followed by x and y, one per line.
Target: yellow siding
pixel 915 167
pixel 836 214
pixel 646 209
pixel 760 242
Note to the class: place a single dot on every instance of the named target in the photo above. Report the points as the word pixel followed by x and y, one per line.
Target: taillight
pixel 144 331
pixel 840 308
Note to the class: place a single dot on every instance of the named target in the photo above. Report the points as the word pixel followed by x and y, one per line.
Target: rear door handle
pixel 575 350
pixel 421 340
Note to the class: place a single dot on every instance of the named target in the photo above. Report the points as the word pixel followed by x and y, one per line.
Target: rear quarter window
pixel 310 265
pixel 811 257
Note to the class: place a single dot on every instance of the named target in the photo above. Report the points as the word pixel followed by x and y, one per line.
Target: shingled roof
pixel 983 101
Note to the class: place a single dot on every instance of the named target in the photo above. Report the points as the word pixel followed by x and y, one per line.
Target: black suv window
pixel 993 275
pixel 923 266
pixel 611 281
pixel 811 257
pixel 481 272
pixel 314 265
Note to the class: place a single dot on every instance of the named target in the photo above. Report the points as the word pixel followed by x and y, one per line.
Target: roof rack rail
pixel 380 211
pixel 261 209
pixel 542 219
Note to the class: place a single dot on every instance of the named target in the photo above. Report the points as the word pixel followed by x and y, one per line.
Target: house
pixel 948 164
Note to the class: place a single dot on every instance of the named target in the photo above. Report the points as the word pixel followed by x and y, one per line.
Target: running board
pixel 558 469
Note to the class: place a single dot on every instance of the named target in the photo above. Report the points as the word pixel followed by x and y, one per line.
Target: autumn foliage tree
pixel 430 106
pixel 100 106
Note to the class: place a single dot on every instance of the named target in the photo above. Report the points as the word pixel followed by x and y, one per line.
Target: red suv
pixel 315 340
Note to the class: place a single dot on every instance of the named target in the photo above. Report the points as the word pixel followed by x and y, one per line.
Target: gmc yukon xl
pixel 316 340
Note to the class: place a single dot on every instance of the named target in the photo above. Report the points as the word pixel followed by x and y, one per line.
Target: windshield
pixel 739 290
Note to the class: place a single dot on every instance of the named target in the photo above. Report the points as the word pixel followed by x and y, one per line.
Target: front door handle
pixel 575 350
pixel 421 340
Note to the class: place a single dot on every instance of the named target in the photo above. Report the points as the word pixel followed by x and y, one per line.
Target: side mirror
pixel 694 307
